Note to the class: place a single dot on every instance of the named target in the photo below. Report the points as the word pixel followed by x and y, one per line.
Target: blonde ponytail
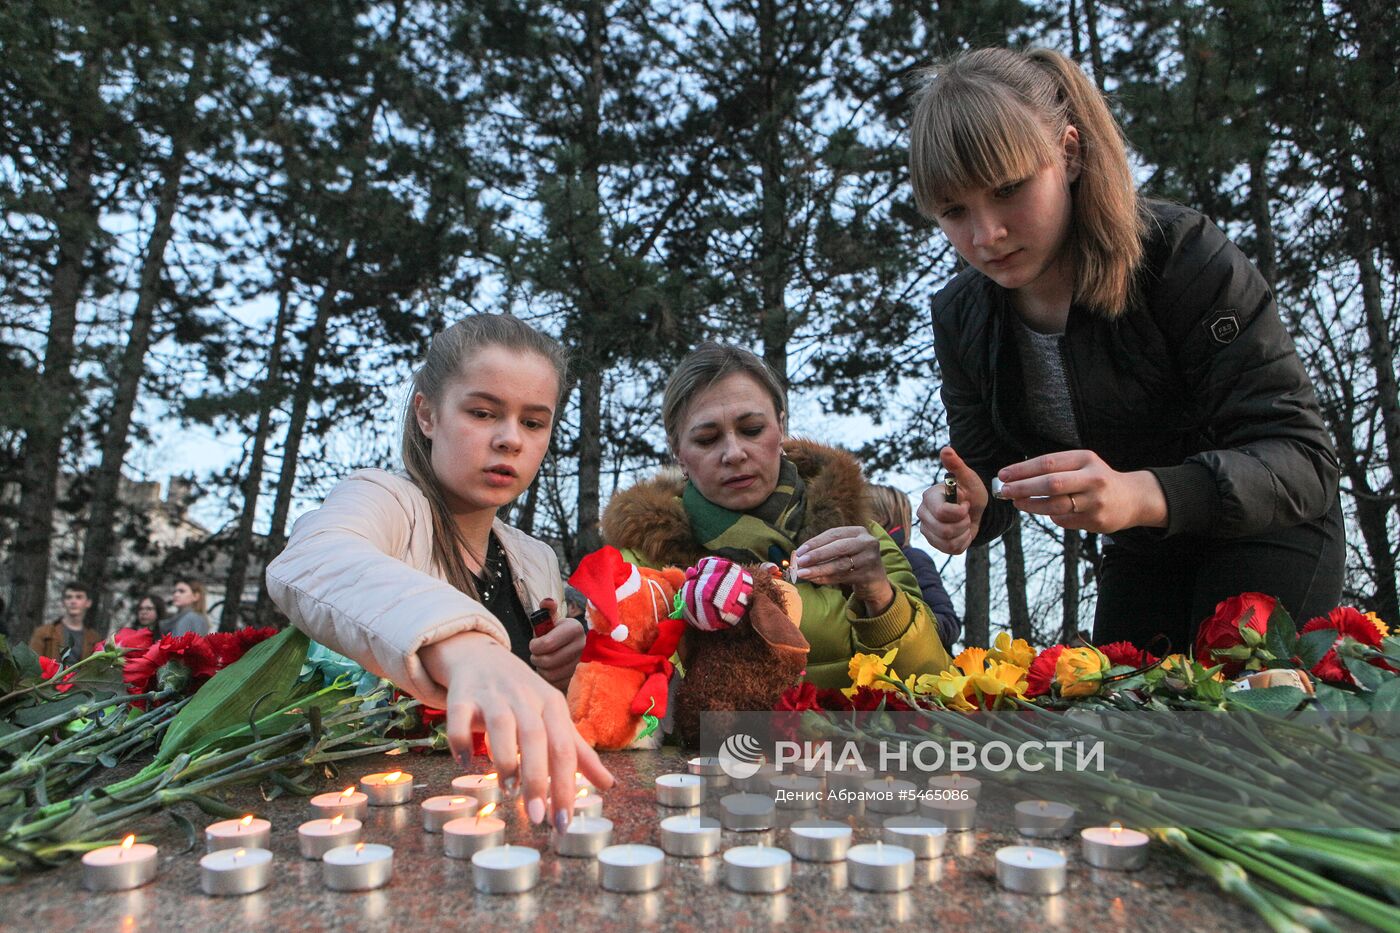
pixel 984 118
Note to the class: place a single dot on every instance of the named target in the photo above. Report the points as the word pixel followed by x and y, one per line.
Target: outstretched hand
pixel 951 527
pixel 1078 490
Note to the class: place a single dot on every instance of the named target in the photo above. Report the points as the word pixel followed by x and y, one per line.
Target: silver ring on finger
pixel 1073 506
pixel 850 564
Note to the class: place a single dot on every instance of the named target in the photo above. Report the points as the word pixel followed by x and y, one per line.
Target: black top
pixel 496 587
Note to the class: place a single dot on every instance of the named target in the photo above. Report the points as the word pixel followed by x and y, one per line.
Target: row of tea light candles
pixel 239 862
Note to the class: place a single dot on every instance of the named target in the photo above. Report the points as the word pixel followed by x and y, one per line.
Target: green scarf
pixel 766 533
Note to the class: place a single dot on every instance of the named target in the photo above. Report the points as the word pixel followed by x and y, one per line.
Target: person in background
pixel 68 638
pixel 891 509
pixel 150 613
pixel 576 605
pixel 189 601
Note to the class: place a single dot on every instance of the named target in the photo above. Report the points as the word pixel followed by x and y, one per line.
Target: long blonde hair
pixel 448 355
pixel 985 118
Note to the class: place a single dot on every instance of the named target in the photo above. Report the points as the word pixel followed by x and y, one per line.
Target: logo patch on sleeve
pixel 1225 326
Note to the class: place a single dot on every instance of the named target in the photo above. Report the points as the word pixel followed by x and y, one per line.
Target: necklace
pixel 489 578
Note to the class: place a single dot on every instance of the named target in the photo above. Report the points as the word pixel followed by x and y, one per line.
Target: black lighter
pixel 540 622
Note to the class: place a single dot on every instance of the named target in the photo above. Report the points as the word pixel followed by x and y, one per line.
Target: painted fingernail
pixel 535 810
pixel 561 820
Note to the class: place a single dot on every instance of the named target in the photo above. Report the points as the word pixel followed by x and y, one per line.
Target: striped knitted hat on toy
pixel 716 594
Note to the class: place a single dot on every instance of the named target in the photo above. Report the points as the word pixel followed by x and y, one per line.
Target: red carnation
pixel 1347 622
pixel 130 639
pixel 797 698
pixel 49 668
pixel 190 654
pixel 230 646
pixel 1126 654
pixel 1042 672
pixel 867 699
pixel 1226 638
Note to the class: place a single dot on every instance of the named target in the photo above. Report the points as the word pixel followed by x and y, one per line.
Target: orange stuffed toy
pixel 619 691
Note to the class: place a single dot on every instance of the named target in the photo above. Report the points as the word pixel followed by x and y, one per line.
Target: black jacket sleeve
pixel 1270 462
pixel 970 429
pixel 937 598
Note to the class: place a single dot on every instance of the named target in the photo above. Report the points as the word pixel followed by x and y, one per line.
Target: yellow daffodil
pixel 1000 680
pixel 971 661
pixel 922 684
pixel 1381 627
pixel 867 669
pixel 1017 651
pixel 1079 671
pixel 952 689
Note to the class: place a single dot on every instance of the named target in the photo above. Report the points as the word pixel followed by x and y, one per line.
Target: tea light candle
pixel 235 871
pixel 360 867
pixel 849 777
pixel 468 835
pixel 486 788
pixel 317 837
pixel 631 868
pixel 438 810
pixel 505 869
pixel 880 867
pixel 819 840
pixel 795 791
pixel 585 837
pixel 581 781
pixel 1043 818
pixel 758 782
pixel 387 790
pixel 120 867
pixel 710 769
pixel 890 796
pixel 956 786
pixel 680 790
pixel 1030 870
pixel 690 836
pixel 922 836
pixel 247 833
pixel 957 815
pixel 746 812
pixel 757 869
pixel 1114 847
pixel 587 803
pixel 348 803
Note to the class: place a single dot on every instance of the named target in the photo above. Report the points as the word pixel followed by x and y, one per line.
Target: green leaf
pixel 27 661
pixel 1367 675
pixel 1313 645
pixel 1341 701
pixel 1385 707
pixel 1272 700
pixel 270 666
pixel 1281 637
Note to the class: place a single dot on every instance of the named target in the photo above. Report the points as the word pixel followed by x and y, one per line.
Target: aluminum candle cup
pixel 922 836
pixel 1114 847
pixel 690 836
pixel 387 790
pixel 880 867
pixel 246 833
pixel 849 778
pixel 317 837
pixel 957 815
pixel 680 790
pixel 757 869
pixel 348 803
pixel 746 812
pixel 1030 870
pixel 585 837
pixel 819 840
pixel 505 869
pixel 468 835
pixel 890 796
pixel 486 788
pixel 631 868
pixel 956 786
pixel 438 810
pixel 361 867
pixel 758 782
pixel 235 871
pixel 1043 819
pixel 710 769
pixel 587 804
pixel 119 868
pixel 796 792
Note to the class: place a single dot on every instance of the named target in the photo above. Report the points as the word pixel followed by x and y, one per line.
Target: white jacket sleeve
pixel 343 579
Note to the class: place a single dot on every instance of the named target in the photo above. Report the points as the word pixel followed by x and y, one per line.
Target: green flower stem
pixel 31 764
pixel 1325 853
pixel 1230 878
pixel 82 711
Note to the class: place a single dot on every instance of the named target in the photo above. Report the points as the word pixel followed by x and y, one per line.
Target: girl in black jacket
pixel 1117 364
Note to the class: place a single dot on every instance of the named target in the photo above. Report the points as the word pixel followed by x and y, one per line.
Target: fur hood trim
pixel 649 517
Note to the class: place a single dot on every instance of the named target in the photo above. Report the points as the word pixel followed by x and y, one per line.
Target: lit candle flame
pixel 337 819
pixel 238 854
pixel 126 845
pixel 485 811
pixel 582 793
pixel 459 800
pixel 348 792
pixel 493 776
pixel 359 847
pixel 1115 827
pixel 393 777
pixel 245 822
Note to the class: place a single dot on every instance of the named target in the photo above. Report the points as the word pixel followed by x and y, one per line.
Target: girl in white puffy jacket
pixel 416 578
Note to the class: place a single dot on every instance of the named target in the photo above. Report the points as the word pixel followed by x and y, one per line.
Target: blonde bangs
pixel 965 136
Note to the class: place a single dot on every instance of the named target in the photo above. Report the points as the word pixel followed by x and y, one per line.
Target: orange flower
pixel 1079 671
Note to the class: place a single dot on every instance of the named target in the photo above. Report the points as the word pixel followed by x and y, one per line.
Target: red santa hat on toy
pixel 606 579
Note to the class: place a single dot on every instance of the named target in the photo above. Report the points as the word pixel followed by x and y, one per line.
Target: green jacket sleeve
pixel 908 624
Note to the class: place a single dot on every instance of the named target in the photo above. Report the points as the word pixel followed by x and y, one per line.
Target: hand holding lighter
pixel 950 489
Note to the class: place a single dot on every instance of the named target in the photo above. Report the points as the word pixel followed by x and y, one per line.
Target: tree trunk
pixel 76 220
pixel 1016 582
pixel 101 532
pixel 1091 26
pixel 590 457
pixel 1372 518
pixel 1069 620
pixel 1076 49
pixel 977 601
pixel 1262 217
pixel 252 482
pixel 772 266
